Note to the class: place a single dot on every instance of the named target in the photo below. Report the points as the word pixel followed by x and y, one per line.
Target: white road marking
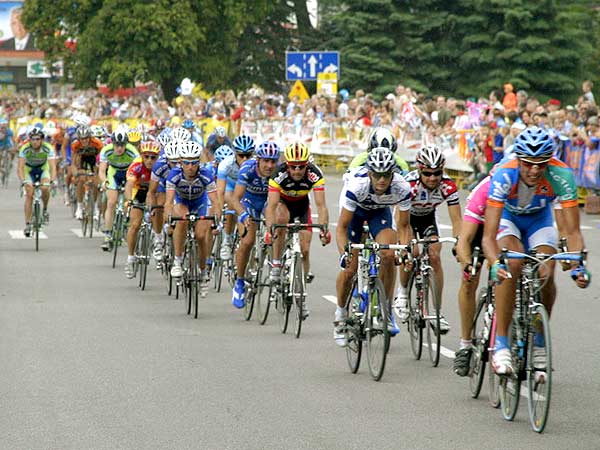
pixel 18 234
pixel 77 232
pixel 443 226
pixel 331 298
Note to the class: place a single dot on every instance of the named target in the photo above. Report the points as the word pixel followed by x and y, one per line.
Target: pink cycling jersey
pixel 477 201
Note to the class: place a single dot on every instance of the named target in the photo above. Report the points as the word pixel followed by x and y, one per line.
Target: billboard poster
pixel 13 35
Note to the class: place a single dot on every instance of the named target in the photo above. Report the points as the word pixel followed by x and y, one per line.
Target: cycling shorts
pixel 37 173
pixel 139 197
pixel 197 206
pixel 532 230
pixel 377 219
pixel 298 209
pixel 116 178
pixel 420 224
pixel 253 207
pixel 87 162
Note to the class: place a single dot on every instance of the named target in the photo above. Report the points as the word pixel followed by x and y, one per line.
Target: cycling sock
pixel 501 343
pixel 340 310
pixel 464 343
pixel 276 262
pixel 179 259
pixel 130 258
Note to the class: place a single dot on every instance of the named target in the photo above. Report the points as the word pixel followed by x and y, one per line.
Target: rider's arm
pixel 21 169
pixel 214 199
pixel 169 202
pixel 321 206
pixel 341 231
pixel 493 214
pixel 236 198
pixel 468 231
pixel 405 233
pixel 568 221
pixel 128 194
pixel 221 185
pixel 102 172
pixel 456 218
pixel 272 202
pixel 151 196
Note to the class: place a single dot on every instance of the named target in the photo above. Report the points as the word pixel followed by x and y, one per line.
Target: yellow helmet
pixel 149 147
pixel 297 152
pixel 134 136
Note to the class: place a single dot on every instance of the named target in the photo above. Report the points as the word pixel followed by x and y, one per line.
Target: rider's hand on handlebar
pixel 499 272
pixel 325 237
pixel 268 238
pixel 344 260
pixel 581 276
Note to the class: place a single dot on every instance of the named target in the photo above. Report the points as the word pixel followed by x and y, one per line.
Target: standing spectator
pixel 510 98
pixel 509 139
pixel 587 91
pixel 521 99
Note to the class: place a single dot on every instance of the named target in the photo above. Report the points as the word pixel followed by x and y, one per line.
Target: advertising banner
pixel 13 35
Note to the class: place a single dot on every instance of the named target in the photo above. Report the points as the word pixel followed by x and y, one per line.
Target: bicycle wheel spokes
pixel 37 223
pixel 263 299
pixel 432 312
pixel 116 235
pixel 354 330
pixel 298 293
pixel 415 320
pixel 479 352
pixel 376 330
pixel 283 306
pixel 145 252
pixel 539 368
pixel 510 385
pixel 251 270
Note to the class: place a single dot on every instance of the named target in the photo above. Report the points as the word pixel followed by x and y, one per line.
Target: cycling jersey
pixel 37 166
pixel 360 194
pixel 191 193
pixel 6 140
pixel 361 159
pixel 70 136
pixel 424 201
pixel 88 153
pixel 212 144
pixel 476 202
pixel 292 190
pixel 228 170
pixel 257 188
pixel 160 170
pixel 140 174
pixel 117 164
pixel 507 191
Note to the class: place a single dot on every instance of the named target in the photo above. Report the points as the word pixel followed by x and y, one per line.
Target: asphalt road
pixel 90 362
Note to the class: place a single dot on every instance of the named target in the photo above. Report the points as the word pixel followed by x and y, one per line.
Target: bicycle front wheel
pixel 263 299
pixel 116 235
pixel 415 319
pixel 298 294
pixel 479 352
pixel 37 223
pixel 251 270
pixel 354 329
pixel 431 304
pixel 510 385
pixel 90 213
pixel 145 253
pixel 283 306
pixel 539 368
pixel 191 275
pixel 377 335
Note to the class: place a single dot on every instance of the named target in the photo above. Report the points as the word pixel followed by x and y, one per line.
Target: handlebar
pixel 192 218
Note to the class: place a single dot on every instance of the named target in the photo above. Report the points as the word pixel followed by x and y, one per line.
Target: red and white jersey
pixel 423 200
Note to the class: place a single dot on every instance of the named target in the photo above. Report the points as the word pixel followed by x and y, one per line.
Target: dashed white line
pixel 77 232
pixel 18 234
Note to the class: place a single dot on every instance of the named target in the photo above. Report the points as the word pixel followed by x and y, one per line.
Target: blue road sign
pixel 306 65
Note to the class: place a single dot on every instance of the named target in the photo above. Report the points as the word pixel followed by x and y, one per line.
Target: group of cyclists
pixel 170 172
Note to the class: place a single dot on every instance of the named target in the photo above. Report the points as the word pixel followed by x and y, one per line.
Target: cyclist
pixel 7 144
pixel 248 200
pixel 158 127
pixel 135 138
pixel 37 162
pixel 69 137
pixel 430 187
pixel 288 200
pixel 518 217
pixel 157 191
pixel 190 127
pixel 227 175
pixel 136 190
pixel 380 137
pixel 115 159
pixel 187 190
pixel 84 152
pixel 217 138
pixel 371 194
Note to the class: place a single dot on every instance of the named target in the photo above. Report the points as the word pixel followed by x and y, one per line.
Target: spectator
pixel 510 98
pixel 588 95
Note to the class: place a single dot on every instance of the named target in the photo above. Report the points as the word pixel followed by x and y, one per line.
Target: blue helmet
pixel 223 152
pixel 243 144
pixel 268 150
pixel 188 123
pixel 534 142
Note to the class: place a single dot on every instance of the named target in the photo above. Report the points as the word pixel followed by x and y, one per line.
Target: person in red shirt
pixel 136 189
pixel 510 98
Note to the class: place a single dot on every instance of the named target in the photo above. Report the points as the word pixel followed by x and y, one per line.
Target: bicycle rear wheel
pixel 84 220
pixel 354 329
pixel 283 306
pixel 377 335
pixel 37 224
pixel 415 319
pixel 479 352
pixel 90 213
pixel 432 311
pixel 251 272
pixel 145 255
pixel 298 294
pixel 510 385
pixel 539 373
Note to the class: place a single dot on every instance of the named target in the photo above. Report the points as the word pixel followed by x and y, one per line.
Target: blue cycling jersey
pixel 212 144
pixel 192 189
pixel 228 170
pixel 257 187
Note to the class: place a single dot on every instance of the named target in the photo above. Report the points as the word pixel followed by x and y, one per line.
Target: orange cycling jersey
pixel 93 148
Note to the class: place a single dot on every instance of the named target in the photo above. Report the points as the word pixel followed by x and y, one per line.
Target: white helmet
pixel 171 150
pixel 163 138
pixel 220 131
pixel 80 119
pixel 431 157
pixel 381 160
pixel 189 150
pixel 382 137
pixel 180 134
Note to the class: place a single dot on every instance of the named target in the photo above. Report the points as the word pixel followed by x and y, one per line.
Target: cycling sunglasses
pixel 297 166
pixel 186 162
pixel 378 175
pixel 428 174
pixel 150 156
pixel 529 163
